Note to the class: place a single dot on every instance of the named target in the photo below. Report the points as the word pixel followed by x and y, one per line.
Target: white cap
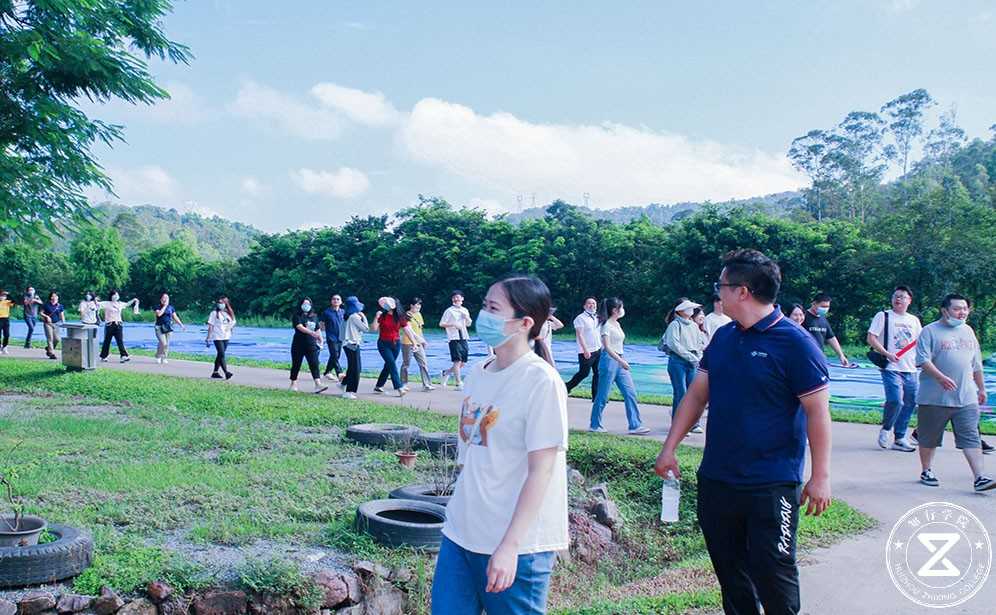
pixel 686 305
pixel 387 302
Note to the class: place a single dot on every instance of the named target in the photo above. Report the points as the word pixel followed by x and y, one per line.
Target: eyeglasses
pixel 717 285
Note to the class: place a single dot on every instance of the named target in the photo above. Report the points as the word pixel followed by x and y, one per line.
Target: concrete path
pixel 847 578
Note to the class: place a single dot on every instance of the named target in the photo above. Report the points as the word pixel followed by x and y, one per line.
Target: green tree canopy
pixel 98 260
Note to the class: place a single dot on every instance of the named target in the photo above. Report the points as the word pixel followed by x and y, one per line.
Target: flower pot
pixel 406 459
pixel 26 536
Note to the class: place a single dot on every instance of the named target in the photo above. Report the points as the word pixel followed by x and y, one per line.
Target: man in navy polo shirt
pixel 766 383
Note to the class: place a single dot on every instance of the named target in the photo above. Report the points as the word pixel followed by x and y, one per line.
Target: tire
pixel 382 434
pixel 438 441
pixel 395 532
pixel 421 493
pixel 68 556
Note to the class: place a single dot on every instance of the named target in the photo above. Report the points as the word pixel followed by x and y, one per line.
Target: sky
pixel 299 115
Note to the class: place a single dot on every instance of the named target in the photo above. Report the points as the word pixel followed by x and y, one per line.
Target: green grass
pixel 668 604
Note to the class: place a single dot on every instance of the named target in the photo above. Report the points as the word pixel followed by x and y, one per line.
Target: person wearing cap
pixel 389 322
pixel 352 339
pixel 685 344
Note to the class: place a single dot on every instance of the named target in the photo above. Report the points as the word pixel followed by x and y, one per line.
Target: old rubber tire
pixel 68 556
pixel 382 434
pixel 395 532
pixel 437 441
pixel 422 493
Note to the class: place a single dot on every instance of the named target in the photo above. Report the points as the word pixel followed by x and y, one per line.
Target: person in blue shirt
pixel 767 386
pixel 52 315
pixel 332 324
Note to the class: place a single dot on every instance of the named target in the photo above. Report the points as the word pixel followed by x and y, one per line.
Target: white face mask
pixel 115 297
pixel 622 312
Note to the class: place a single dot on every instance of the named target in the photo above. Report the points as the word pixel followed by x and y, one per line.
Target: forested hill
pixel 146 226
pixel 774 204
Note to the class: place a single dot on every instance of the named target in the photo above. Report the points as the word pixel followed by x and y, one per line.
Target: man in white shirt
pixel 455 321
pixel 589 346
pixel 899 330
pixel 716 318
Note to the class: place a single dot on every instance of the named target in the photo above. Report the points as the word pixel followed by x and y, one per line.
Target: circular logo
pixel 939 555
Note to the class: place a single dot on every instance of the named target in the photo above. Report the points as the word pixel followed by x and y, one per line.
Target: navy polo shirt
pixel 333 324
pixel 757 427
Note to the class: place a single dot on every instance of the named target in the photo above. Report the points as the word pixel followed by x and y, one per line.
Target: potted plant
pixel 16 528
pixel 405 452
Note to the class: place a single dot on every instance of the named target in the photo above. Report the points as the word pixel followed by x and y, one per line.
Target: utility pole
pixel 586 196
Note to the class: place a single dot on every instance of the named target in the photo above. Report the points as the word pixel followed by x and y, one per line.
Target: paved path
pixel 847 578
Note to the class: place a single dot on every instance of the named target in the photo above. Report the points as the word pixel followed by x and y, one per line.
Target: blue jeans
pixel 30 321
pixel 610 371
pixel 681 373
pixel 389 351
pixel 462 576
pixel 896 414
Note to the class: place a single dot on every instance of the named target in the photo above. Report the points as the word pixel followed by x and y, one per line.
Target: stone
pixel 367 569
pixel 607 513
pixel 401 574
pixel 356 609
pixel 590 540
pixel 142 606
pixel 385 600
pixel 600 491
pixel 108 602
pixel 7 607
pixel 333 586
pixel 221 603
pixel 159 591
pixel 175 605
pixel 574 477
pixel 265 604
pixel 72 603
pixel 35 602
pixel 354 587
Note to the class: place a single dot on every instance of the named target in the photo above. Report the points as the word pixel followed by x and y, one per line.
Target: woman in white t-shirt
pixel 613 368
pixel 114 324
pixel 508 514
pixel 220 323
pixel 89 309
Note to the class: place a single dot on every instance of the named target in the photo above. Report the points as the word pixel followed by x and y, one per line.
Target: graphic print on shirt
pixel 476 422
pixel 902 335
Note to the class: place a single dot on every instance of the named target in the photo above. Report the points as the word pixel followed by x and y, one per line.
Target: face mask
pixel 305 307
pixel 590 312
pixel 622 312
pixel 955 322
pixel 822 311
pixel 220 306
pixel 115 297
pixel 685 320
pixel 491 328
pixel 89 297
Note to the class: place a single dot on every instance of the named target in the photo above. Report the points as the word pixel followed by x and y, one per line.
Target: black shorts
pixel 458 351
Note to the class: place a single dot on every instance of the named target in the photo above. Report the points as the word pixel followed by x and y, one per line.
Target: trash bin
pixel 79 346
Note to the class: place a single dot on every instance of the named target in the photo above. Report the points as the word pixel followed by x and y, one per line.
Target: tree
pixel 51 55
pixel 810 154
pixel 98 259
pixel 944 141
pixel 172 268
pixel 860 158
pixel 904 115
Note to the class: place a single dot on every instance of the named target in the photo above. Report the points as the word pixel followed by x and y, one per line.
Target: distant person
pixel 716 319
pixel 685 344
pixel 589 346
pixel 698 317
pixel 797 314
pixel 5 305
pixel 53 314
pixel 30 304
pixel 220 323
pixel 306 344
pixel 507 518
pixel 352 341
pixel 546 332
pixel 388 323
pixel 166 317
pixel 766 384
pixel 614 369
pixel 332 321
pixel 413 345
pixel 114 325
pixel 89 309
pixel 951 390
pixel 897 328
pixel 819 327
pixel 455 321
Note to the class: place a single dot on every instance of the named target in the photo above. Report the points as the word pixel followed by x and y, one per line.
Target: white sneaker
pixel 902 444
pixel 165 361
pixel 5 351
pixel 458 386
pixel 597 430
pixel 444 379
pixel 104 360
pixel 401 392
pixel 378 390
pixel 639 431
pixel 348 395
pixel 883 438
pixel 125 359
pixel 159 360
pixel 428 388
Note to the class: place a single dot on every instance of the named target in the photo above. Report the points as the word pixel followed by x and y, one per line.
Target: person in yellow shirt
pixel 5 305
pixel 415 347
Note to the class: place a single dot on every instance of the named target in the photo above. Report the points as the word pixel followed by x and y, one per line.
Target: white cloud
pixel 252 187
pixel 285 113
pixel 369 108
pixel 137 186
pixel 616 164
pixel 344 183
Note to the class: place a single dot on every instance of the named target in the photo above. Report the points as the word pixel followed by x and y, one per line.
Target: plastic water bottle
pixel 670 498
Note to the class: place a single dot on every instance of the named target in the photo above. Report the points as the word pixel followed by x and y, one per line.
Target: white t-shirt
pixel 221 325
pixel 587 325
pixel 714 321
pixel 902 330
pixel 505 415
pixel 88 312
pixel 112 310
pixel 459 316
pixel 615 336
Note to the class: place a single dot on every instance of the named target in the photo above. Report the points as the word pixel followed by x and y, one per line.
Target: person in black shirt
pixel 819 327
pixel 305 345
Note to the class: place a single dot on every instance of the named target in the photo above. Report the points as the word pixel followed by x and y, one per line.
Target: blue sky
pixel 305 116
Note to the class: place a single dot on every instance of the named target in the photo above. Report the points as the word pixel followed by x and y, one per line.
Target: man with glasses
pixel 766 383
pixel 893 333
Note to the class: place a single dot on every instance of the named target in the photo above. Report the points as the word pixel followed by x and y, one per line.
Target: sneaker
pixel 4 350
pixel 228 375
pixel 987 449
pixel 378 390
pixel 165 361
pixel 444 379
pixel 927 478
pixel 458 386
pixel 902 444
pixel 321 390
pixel 696 428
pixel 913 439
pixel 639 431
pixel 348 395
pixel 103 360
pixel 125 359
pixel 428 388
pixel 597 430
pixel 883 438
pixel 213 374
pixel 159 360
pixel 401 392
pixel 984 483
pixel 52 356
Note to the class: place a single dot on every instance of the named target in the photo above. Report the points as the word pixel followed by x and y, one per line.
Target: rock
pixel 385 600
pixel 159 591
pixel 7 607
pixel 354 587
pixel 401 574
pixel 600 491
pixel 574 477
pixel 72 603
pixel 367 569
pixel 35 602
pixel 590 540
pixel 221 603
pixel 333 586
pixel 175 605
pixel 357 609
pixel 607 513
pixel 265 604
pixel 142 606
pixel 108 602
